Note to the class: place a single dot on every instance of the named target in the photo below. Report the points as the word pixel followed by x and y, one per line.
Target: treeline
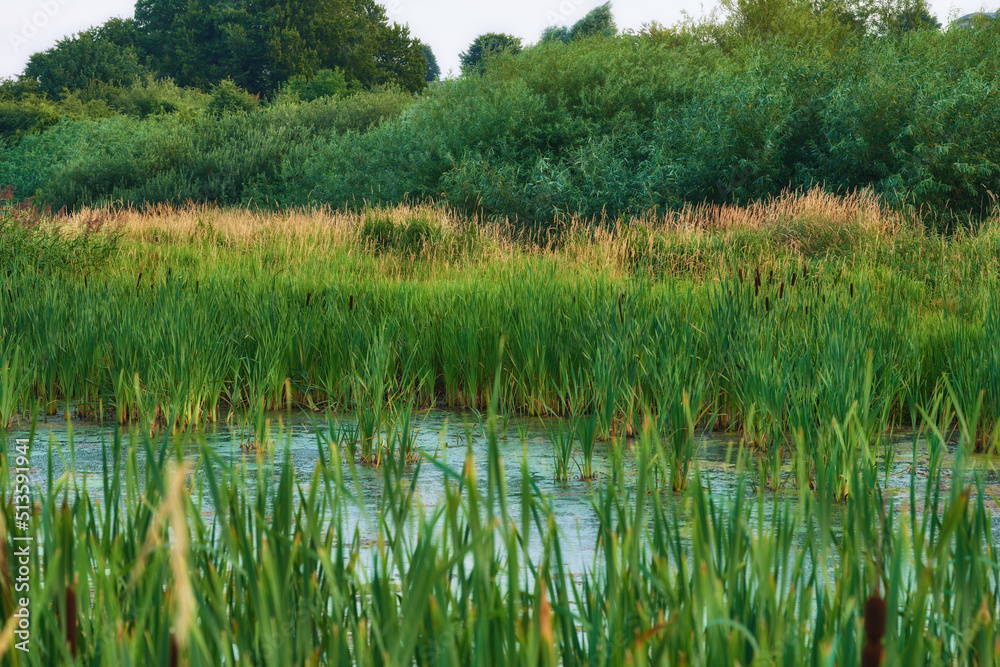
pixel 774 94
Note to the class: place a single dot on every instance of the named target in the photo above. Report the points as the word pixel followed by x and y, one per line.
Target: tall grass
pixel 194 561
pixel 767 326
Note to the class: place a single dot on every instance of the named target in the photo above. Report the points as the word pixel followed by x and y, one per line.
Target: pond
pixel 447 437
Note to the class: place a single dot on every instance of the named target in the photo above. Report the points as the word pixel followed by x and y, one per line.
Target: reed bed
pixel 770 319
pixel 198 562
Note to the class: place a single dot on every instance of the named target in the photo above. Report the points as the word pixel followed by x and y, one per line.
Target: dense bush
pixel 229 156
pixel 599 125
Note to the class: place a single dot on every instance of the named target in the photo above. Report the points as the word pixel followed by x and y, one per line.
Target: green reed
pixel 764 340
pixel 198 561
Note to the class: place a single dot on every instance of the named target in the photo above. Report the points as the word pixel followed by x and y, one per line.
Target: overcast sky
pixel 448 26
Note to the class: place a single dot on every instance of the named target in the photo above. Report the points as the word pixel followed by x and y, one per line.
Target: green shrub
pixel 228 98
pixel 325 83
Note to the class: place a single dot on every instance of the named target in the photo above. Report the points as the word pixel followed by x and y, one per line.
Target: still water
pixel 447 436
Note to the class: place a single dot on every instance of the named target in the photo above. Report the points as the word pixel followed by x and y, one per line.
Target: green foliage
pixel 737 111
pixel 36 242
pixel 433 69
pixel 229 98
pixel 180 556
pixel 227 158
pixel 261 45
pixel 597 23
pixel 76 62
pixel 555 34
pixel 27 115
pixel 325 83
pixel 484 47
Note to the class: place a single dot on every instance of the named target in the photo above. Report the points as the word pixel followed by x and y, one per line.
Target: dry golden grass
pixel 811 223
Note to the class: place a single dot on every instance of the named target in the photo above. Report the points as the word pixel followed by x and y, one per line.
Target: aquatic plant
pixel 194 560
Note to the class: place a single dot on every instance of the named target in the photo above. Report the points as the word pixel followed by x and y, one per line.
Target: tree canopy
pixel 484 46
pixel 257 44
pixel 433 69
pixel 99 54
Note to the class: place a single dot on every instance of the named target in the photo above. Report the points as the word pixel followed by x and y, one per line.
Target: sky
pixel 448 26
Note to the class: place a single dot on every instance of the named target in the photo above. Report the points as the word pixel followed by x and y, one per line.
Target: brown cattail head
pixel 173 658
pixel 350 303
pixel 739 272
pixel 852 290
pixel 71 619
pixel 756 290
pixel 871 655
pixel 309 297
pixel 756 278
pixel 781 291
pixel 138 281
pixel 767 304
pixel 875 612
pixel 794 276
pixel 770 277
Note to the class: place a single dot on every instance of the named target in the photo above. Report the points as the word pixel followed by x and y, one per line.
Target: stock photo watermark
pixel 21 565
pixel 34 22
pixel 565 10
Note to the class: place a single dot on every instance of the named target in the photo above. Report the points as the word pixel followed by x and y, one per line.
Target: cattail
pixel 350 303
pixel 807 309
pixel 172 659
pixel 740 273
pixel 85 285
pixel 309 297
pixel 852 290
pixel 770 277
pixel 794 276
pixel 196 285
pixel 621 312
pixel 756 278
pixel 170 272
pixel 138 281
pixel 756 290
pixel 875 612
pixel 781 291
pixel 767 304
pixel 71 619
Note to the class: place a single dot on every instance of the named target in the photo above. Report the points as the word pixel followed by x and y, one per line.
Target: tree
pixel 881 17
pixel 486 46
pixel 261 44
pixel 915 17
pixel 73 63
pixel 555 34
pixel 433 70
pixel 597 23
